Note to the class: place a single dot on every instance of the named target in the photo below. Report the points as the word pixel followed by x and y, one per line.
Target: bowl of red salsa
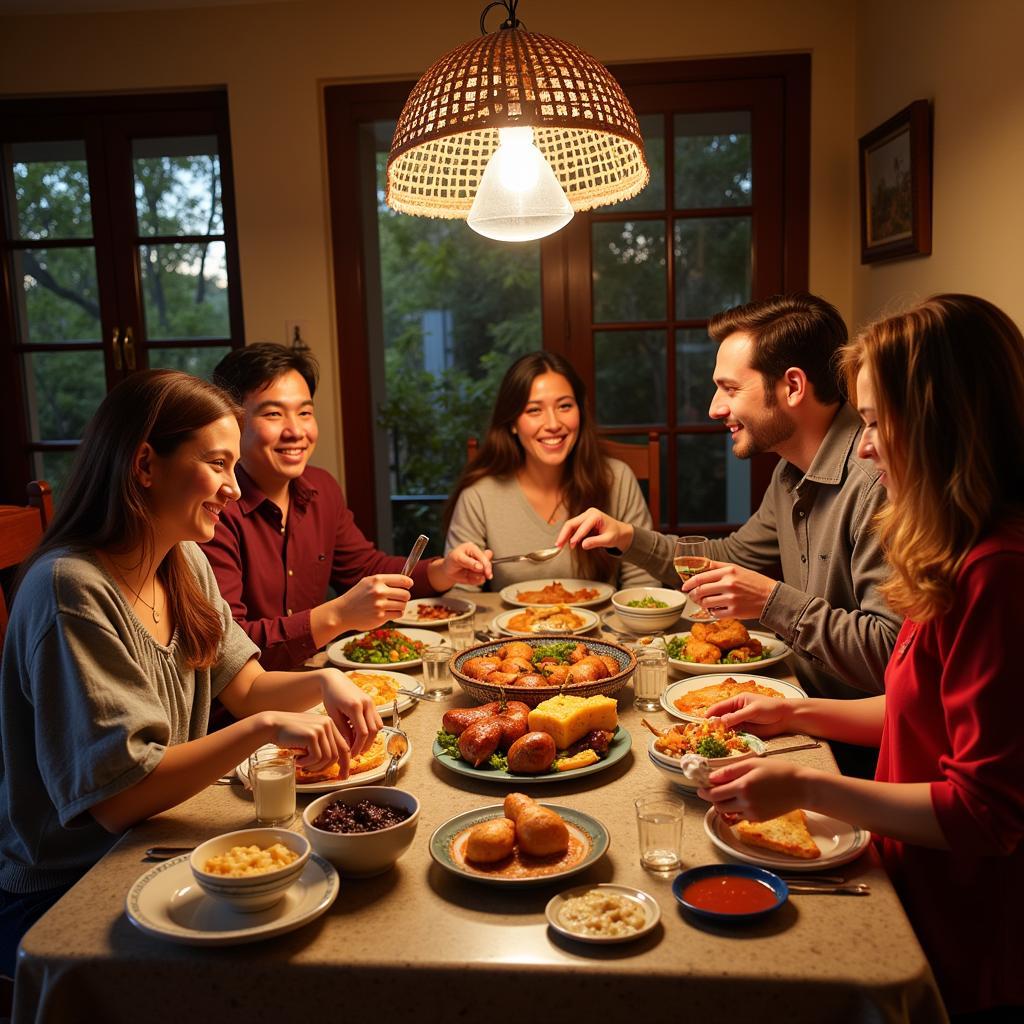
pixel 730 892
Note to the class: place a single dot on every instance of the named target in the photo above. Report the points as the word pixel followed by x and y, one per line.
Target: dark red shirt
pixel 952 719
pixel 272 575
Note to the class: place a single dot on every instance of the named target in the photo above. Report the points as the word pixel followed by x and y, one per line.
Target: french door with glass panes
pixel 430 314
pixel 118 253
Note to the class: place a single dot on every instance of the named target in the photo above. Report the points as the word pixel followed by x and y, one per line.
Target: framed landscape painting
pixel 896 186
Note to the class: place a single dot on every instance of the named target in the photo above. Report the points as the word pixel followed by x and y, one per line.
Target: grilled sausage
pixel 458 720
pixel 480 740
pixel 532 753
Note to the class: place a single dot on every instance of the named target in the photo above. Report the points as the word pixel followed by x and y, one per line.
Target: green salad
pixel 382 647
pixel 647 602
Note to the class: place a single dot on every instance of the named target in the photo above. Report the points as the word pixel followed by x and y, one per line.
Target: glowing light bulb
pixel 519 197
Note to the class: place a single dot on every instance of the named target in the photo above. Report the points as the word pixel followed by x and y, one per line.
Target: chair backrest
pixel 645 462
pixel 21 528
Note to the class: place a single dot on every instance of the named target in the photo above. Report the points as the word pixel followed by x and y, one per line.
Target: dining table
pixel 421 944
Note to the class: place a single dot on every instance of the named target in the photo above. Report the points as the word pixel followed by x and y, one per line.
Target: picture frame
pixel 896 186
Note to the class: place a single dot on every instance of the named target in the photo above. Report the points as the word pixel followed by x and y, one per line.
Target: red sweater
pixel 953 718
pixel 271 577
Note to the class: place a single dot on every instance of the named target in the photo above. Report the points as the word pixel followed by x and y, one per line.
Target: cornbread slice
pixel 566 718
pixel 788 834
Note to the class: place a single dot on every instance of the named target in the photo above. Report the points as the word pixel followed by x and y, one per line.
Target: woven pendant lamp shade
pixel 583 124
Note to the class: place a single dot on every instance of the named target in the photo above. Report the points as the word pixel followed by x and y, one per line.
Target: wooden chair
pixel 21 528
pixel 645 461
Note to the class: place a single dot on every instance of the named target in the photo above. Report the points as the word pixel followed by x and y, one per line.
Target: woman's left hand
pixel 758 790
pixel 351 708
pixel 466 563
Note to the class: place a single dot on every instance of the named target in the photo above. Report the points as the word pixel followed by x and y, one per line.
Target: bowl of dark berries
pixel 362 831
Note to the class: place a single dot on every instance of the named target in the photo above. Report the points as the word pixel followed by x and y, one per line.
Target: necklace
pixel 152 607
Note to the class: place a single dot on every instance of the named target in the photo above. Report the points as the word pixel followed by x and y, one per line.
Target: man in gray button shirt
pixel 777 391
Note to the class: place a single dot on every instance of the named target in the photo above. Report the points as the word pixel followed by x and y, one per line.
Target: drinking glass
pixel 659 821
pixel 650 678
pixel 460 633
pixel 692 557
pixel 435 665
pixel 272 775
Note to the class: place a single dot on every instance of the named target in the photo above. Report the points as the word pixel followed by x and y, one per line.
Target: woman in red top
pixel 941 392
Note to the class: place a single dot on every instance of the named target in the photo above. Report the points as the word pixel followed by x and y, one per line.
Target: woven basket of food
pixel 532 669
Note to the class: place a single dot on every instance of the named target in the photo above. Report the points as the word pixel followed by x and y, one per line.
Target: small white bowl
pixel 362 854
pixel 648 620
pixel 250 893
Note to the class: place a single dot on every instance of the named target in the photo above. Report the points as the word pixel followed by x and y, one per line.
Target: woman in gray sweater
pixel 541 462
pixel 118 641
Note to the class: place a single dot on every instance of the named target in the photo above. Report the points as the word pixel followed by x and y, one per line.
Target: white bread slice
pixel 788 834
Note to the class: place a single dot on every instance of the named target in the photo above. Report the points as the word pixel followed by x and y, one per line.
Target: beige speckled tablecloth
pixel 418 944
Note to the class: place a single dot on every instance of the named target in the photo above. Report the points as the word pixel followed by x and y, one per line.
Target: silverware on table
pixel 397 744
pixel 805 889
pixel 540 555
pixel 167 852
pixel 435 693
pixel 415 555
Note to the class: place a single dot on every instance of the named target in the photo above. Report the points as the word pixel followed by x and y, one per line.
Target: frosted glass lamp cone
pixel 519 197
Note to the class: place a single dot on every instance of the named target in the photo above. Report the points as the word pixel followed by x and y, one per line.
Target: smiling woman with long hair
pixel 539 463
pixel 941 392
pixel 119 639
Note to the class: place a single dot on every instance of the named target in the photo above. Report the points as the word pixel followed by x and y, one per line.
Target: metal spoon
pixel 396 746
pixel 541 555
pixel 800 889
pixel 435 693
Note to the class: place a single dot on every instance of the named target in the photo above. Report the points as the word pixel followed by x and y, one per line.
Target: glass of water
pixel 435 665
pixel 659 821
pixel 650 678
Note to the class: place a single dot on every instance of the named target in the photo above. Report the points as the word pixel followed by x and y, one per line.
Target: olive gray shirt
pixel 495 513
pixel 90 702
pixel 819 526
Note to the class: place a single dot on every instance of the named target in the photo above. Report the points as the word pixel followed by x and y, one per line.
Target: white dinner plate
pixel 647 903
pixel 167 903
pixel 779 650
pixel 336 655
pixel 676 690
pixel 604 591
pixel 462 609
pixel 396 679
pixel 360 779
pixel 839 843
pixel 501 623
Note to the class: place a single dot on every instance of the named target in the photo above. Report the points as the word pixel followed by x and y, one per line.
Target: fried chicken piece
pixel 725 633
pixel 753 648
pixel 702 652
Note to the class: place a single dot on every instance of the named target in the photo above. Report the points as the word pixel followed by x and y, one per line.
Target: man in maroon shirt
pixel 291 534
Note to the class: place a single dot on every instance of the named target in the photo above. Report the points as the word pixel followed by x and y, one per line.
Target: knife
pixel 414 556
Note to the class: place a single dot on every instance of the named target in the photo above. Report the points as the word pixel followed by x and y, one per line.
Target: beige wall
pixel 274 60
pixel 964 56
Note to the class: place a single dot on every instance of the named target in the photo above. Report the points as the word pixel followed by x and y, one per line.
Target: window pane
pixel 185 290
pixel 695 370
pixel 197 361
pixel 713 265
pixel 63 390
pixel 53 467
pixel 178 186
pixel 629 377
pixel 59 295
pixel 712 160
pixel 51 190
pixel 628 270
pixel 701 473
pixel 652 127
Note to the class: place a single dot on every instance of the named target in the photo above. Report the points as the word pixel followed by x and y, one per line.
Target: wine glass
pixel 691 557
